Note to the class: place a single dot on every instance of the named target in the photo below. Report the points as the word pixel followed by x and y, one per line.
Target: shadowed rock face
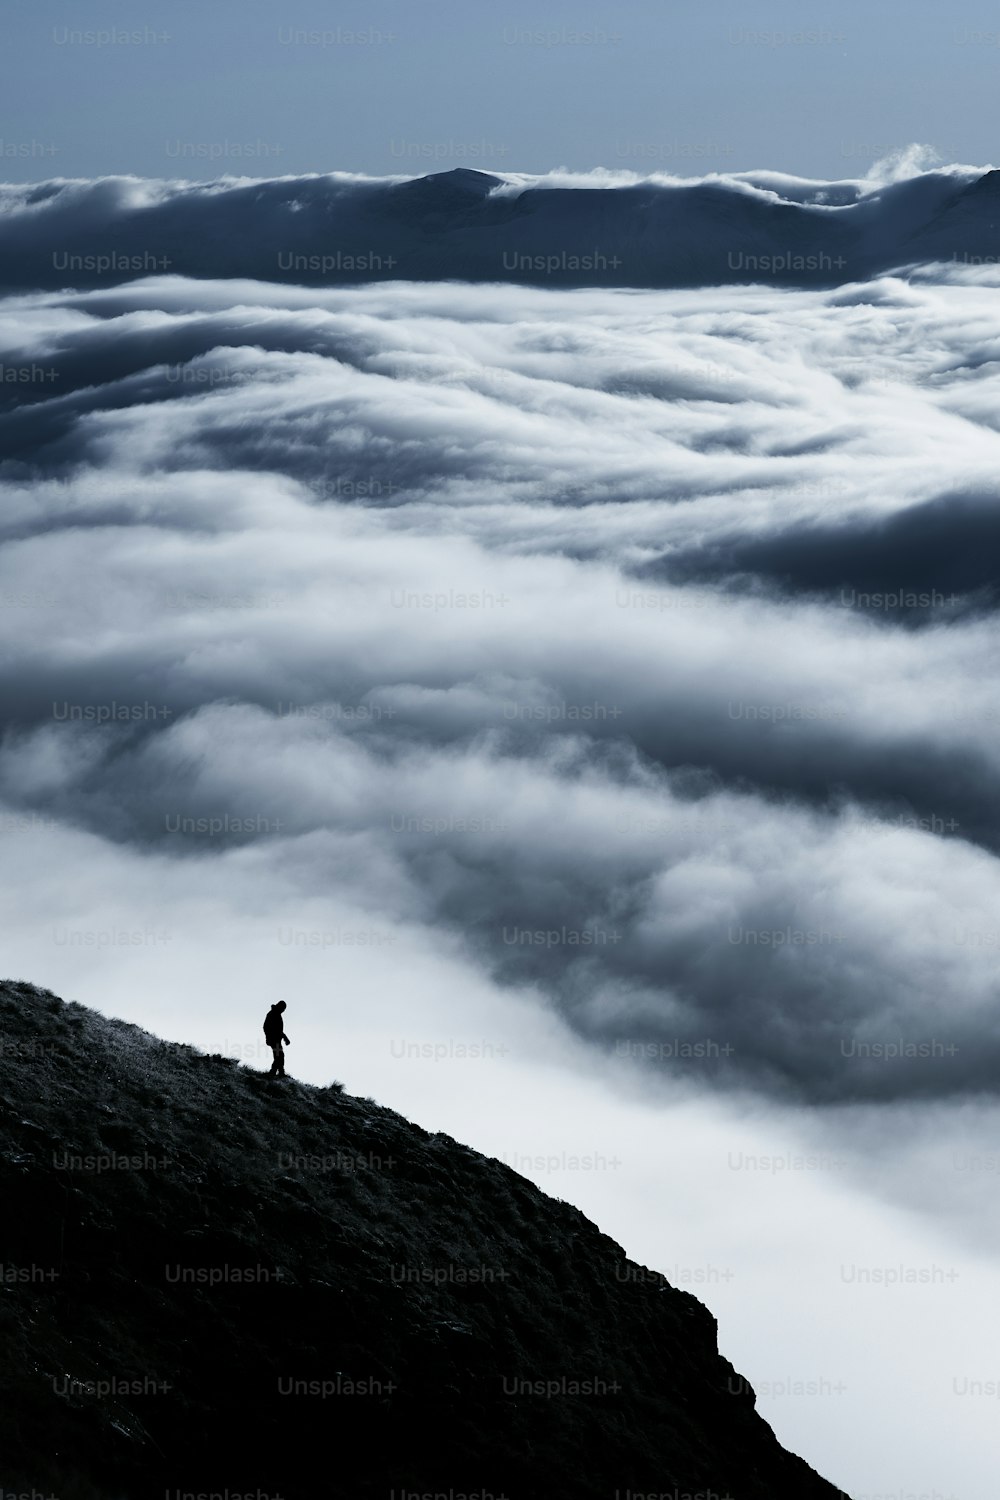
pixel 216 1283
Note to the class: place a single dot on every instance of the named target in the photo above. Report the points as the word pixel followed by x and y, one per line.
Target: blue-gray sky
pixel 183 89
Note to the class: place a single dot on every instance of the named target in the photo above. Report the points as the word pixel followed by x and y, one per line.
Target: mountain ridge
pixel 467 225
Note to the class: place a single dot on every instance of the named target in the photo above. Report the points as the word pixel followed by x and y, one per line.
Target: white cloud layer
pixel 604 675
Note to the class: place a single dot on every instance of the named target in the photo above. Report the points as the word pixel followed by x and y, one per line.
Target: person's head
pixel 281 1005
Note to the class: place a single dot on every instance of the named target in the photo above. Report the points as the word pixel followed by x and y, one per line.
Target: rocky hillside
pixel 216 1283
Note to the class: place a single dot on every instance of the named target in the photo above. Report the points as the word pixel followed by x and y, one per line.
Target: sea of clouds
pixel 626 655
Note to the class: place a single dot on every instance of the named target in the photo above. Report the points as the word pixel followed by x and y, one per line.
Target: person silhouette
pixel 274 1035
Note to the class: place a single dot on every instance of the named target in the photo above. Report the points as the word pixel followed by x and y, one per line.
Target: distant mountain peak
pixel 466 181
pixel 468 177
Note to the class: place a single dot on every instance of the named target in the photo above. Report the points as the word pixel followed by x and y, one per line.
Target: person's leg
pixel 279 1059
pixel 275 1056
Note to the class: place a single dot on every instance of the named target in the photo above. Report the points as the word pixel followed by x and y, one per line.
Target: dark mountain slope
pixel 216 1283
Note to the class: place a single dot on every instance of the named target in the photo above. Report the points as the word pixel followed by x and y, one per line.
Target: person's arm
pixel 284 1038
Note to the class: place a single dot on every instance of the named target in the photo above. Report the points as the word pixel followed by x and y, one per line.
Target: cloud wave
pixel 644 643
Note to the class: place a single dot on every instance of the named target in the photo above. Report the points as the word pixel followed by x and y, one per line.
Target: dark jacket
pixel 273 1027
